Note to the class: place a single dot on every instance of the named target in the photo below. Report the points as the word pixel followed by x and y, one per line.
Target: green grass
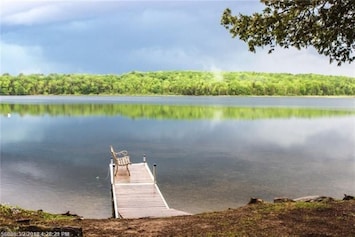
pixel 7 211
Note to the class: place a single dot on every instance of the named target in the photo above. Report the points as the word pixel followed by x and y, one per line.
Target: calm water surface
pixel 212 152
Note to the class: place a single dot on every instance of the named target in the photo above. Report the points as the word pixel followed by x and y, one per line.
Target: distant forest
pixel 178 83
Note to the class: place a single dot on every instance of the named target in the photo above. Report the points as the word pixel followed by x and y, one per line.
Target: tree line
pixel 178 83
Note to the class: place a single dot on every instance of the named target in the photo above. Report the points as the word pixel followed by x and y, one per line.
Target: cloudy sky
pixel 77 36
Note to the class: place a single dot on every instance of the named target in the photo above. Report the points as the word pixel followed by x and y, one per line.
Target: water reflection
pixel 176 112
pixel 205 161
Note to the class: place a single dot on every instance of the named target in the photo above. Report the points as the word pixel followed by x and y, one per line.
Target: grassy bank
pixel 179 83
pixel 332 218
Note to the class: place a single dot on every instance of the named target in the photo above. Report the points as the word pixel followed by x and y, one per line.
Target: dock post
pixel 112 171
pixel 155 172
pixel 144 158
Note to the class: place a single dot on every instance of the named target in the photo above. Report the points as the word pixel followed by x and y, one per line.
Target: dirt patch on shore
pixel 334 218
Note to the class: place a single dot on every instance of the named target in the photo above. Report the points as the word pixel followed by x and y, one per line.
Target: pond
pixel 212 153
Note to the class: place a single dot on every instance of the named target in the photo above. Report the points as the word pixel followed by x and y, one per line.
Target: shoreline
pixel 285 217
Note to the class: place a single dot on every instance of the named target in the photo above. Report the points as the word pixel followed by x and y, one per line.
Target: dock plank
pixel 137 195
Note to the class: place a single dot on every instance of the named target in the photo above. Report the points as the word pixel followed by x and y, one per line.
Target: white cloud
pixel 300 132
pixel 15 134
pixel 33 15
pixel 148 35
pixel 163 17
pixel 236 57
pixel 15 59
pixel 28 169
pixel 31 12
pixel 165 57
pixel 299 61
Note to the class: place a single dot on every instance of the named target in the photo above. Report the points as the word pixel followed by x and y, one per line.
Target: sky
pixel 115 37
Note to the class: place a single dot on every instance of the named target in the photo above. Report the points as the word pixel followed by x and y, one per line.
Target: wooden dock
pixel 137 195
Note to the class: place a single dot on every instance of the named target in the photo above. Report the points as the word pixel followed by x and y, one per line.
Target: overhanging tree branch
pixel 327 25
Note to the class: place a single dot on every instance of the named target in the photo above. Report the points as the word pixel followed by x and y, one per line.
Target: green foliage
pixel 176 112
pixel 327 25
pixel 177 83
pixel 7 211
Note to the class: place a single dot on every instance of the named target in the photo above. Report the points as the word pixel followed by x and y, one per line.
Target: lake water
pixel 212 153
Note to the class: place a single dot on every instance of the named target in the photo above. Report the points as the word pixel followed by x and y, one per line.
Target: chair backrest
pixel 120 158
pixel 113 152
pixel 123 160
